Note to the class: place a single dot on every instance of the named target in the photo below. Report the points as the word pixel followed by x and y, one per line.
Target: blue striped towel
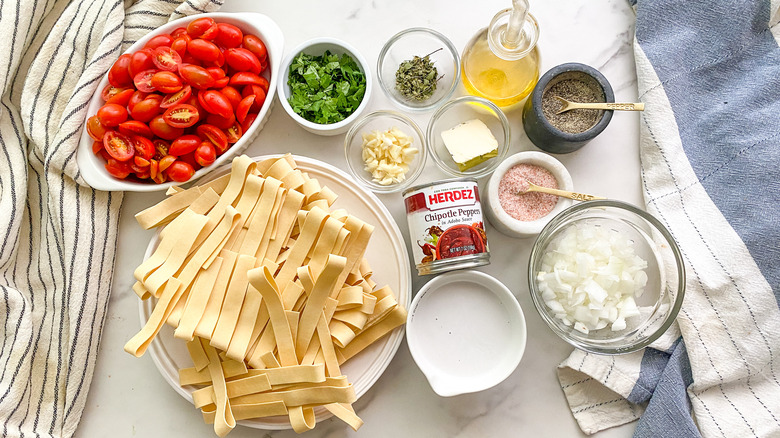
pixel 710 154
pixel 57 236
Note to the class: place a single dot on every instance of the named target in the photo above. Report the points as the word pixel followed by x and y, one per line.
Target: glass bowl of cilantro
pixel 418 69
pixel 325 84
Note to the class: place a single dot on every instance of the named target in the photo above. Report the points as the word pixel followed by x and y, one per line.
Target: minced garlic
pixel 387 155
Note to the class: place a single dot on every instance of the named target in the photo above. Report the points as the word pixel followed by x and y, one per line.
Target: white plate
pixel 386 253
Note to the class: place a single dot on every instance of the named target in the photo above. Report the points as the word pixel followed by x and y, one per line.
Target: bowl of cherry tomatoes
pixel 183 100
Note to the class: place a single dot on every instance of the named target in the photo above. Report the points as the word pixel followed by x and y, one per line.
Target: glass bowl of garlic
pixel 385 151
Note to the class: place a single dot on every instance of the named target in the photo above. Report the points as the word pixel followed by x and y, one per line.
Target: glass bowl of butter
pixel 468 136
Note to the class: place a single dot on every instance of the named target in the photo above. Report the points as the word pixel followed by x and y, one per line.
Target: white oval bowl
pixel 92 167
pixel 500 219
pixel 318 46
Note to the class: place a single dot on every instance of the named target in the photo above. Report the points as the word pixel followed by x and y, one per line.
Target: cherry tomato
pixel 181 116
pixel 229 35
pixel 165 162
pixel 248 121
pixel 95 129
pixel 140 61
pixel 179 31
pixel 139 163
pixel 215 102
pixel 180 44
pixel 216 72
pixel 166 82
pixel 203 50
pixel 146 109
pixel 135 98
pixel 196 76
pixel 241 59
pixel 143 174
pixel 219 62
pixel 112 114
pixel 184 144
pixel 242 110
pixel 118 169
pixel 154 168
pixel 232 95
pixel 259 94
pixel 188 59
pixel 234 133
pixel 190 159
pixel 119 146
pixel 165 58
pixel 143 81
pixel 197 27
pixel 220 122
pixel 144 148
pixel 222 82
pixel 215 135
pixel 97 146
pixel 180 96
pixel 135 127
pixel 205 154
pixel 164 130
pixel 248 78
pixel 256 46
pixel 159 178
pixel 161 148
pixel 162 40
pixel 112 94
pixel 119 76
pixel 180 171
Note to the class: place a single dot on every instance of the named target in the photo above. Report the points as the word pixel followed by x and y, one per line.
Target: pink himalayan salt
pixel 526 206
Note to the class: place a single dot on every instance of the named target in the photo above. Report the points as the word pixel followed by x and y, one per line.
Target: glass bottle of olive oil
pixel 501 62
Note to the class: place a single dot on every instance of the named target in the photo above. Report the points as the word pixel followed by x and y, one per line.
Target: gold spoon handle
pixel 562 193
pixel 607 106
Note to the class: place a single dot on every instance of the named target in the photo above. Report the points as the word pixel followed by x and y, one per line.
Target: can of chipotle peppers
pixel 446 226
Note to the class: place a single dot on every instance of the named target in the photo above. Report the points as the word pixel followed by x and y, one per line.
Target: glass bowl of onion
pixel 607 277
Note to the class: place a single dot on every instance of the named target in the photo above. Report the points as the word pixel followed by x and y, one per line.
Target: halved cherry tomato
pixel 118 146
pixel 143 175
pixel 154 168
pixel 259 92
pixel 196 76
pixel 190 159
pixel 215 102
pixel 180 96
pixel 180 44
pixel 143 81
pixel 165 162
pixel 213 134
pixel 216 72
pixel 118 169
pixel 184 145
pixel 229 35
pixel 112 114
pixel 256 46
pixel 241 59
pixel 139 163
pixel 221 122
pixel 205 154
pixel 203 50
pixel 243 107
pixel 248 121
pixel 234 133
pixel 135 98
pixel 144 148
pixel 188 59
pixel 95 129
pixel 159 178
pixel 198 26
pixel 181 116
pixel 232 95
pixel 163 130
pixel 161 148
pixel 166 82
pixel 180 171
pixel 162 40
pixel 146 109
pixel 112 94
pixel 134 127
pixel 248 78
pixel 97 146
pixel 119 76
pixel 219 62
pixel 140 61
pixel 179 31
pixel 222 82
pixel 165 58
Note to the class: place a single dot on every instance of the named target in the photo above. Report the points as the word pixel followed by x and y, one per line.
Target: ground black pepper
pixel 573 90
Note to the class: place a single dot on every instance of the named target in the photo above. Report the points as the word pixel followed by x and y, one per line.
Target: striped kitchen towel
pixel 57 236
pixel 710 155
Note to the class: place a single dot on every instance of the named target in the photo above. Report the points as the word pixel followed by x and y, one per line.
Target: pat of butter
pixel 470 143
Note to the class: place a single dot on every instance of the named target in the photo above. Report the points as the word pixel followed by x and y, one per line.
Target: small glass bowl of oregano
pixel 418 69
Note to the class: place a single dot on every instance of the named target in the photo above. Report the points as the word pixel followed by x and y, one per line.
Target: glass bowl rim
pixel 658 226
pixel 411 176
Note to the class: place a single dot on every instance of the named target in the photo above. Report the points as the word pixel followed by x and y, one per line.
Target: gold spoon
pixel 562 193
pixel 568 106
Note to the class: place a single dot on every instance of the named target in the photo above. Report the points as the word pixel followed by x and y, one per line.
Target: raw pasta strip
pixel 325 282
pixel 293 202
pixel 197 354
pixel 208 321
pixel 307 238
pixel 353 318
pixel 396 318
pixel 350 297
pixel 302 419
pixel 141 291
pixel 319 203
pixel 250 410
pixel 265 344
pixel 279 169
pixel 356 247
pixel 264 282
pixel 207 200
pixel 293 180
pixel 164 211
pixel 137 344
pixel 191 376
pixel 345 413
pixel 235 388
pixel 324 246
pixel 341 333
pixel 340 391
pixel 231 307
pixel 247 202
pixel 328 352
pixel 256 228
pixel 224 421
pixel 197 300
pixel 266 164
pixel 242 335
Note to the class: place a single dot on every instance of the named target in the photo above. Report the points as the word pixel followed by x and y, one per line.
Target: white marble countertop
pixel 128 397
